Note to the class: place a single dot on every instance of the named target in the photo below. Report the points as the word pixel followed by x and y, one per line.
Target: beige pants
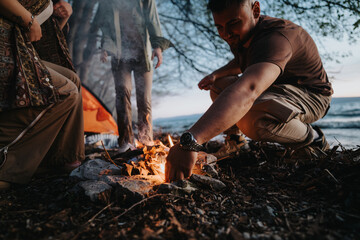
pixel 282 114
pixel 57 138
pixel 123 86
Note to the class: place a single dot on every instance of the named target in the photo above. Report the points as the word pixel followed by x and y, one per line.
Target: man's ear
pixel 256 9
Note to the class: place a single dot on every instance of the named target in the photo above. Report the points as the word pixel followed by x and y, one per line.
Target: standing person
pixel 282 90
pixel 132 37
pixel 40 103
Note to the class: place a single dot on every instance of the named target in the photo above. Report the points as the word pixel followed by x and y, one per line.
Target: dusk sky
pixel 345 77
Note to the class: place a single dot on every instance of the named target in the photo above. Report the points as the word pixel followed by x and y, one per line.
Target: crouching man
pixel 282 89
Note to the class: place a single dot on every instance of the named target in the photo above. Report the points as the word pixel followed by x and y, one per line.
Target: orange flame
pixel 171 143
pixel 138 144
pixel 148 121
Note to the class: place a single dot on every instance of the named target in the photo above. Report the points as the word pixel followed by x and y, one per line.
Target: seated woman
pixel 40 102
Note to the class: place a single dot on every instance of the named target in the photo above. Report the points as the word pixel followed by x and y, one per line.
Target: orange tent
pixel 97 118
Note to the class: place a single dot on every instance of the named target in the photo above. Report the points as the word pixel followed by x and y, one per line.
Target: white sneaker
pixel 233 144
pixel 125 147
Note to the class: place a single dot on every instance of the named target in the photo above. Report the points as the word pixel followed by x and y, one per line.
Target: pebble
pixel 200 211
pixel 246 235
pixel 214 213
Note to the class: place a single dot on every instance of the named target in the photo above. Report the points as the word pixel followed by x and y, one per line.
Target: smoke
pixel 132 46
pixel 123 29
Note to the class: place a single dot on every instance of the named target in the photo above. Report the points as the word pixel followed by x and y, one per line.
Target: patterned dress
pixel 24 80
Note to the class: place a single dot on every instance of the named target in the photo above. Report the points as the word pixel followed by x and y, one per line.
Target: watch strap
pixel 191 145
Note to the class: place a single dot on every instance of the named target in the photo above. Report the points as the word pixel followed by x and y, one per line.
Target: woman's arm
pixel 15 12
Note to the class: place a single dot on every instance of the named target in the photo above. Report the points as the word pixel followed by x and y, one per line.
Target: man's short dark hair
pixel 220 5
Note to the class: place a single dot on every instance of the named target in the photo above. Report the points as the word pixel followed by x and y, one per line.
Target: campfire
pixel 150 160
pixel 138 172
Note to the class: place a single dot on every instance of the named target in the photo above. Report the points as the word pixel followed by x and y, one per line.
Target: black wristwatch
pixel 189 143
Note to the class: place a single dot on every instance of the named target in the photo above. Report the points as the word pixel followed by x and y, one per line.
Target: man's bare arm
pixel 232 104
pixel 230 69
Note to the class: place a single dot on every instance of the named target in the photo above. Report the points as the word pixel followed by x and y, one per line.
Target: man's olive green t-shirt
pixel 290 47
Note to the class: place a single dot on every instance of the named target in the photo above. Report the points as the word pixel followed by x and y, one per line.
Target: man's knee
pixel 220 85
pixel 258 126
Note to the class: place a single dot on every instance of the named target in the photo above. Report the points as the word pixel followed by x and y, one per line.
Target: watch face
pixel 186 138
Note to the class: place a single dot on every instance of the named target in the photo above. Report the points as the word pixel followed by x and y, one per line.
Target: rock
pixel 177 188
pixel 152 180
pixel 215 184
pixel 94 169
pixel 210 169
pixel 206 158
pixel 276 237
pixel 260 224
pixel 169 188
pixel 134 188
pixel 203 159
pixel 234 233
pixel 96 190
pixel 213 212
pixel 270 211
pixel 246 235
pixel 199 211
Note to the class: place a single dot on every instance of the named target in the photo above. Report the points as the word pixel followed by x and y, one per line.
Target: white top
pixel 44 15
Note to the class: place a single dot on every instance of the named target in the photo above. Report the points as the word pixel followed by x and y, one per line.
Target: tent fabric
pixel 97 118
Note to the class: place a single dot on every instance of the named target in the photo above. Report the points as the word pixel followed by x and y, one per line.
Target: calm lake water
pixel 341 124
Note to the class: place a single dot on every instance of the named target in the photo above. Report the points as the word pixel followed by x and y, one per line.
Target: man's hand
pixel 103 56
pixel 179 164
pixel 62 10
pixel 35 33
pixel 207 81
pixel 158 53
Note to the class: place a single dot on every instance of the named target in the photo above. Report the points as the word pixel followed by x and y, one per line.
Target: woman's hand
pixel 35 33
pixel 62 10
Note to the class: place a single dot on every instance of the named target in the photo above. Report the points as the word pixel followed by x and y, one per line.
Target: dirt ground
pixel 267 197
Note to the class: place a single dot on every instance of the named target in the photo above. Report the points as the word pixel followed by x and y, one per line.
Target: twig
pixel 85 225
pixel 218 160
pixel 26 211
pixel 144 200
pixel 93 218
pixel 222 202
pixel 331 175
pixel 292 212
pixel 136 204
pixel 108 155
pixel 285 215
pixel 345 213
